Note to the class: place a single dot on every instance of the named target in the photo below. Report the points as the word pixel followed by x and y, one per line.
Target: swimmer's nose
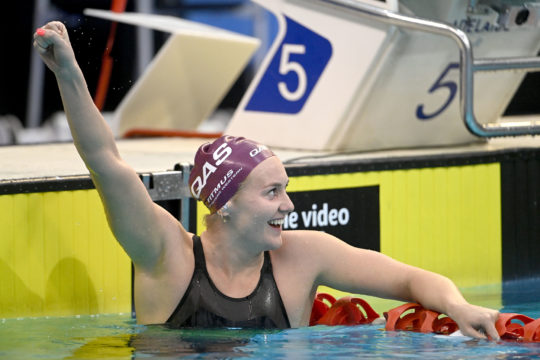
pixel 287 205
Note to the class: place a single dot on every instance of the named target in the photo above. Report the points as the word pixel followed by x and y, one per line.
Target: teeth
pixel 277 222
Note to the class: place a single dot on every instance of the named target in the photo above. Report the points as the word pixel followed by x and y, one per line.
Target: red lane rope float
pixel 136 132
pixel 345 311
pixel 118 6
pixel 512 327
pixel 419 320
pixel 532 331
pixel 321 304
pixel 528 330
pixel 413 317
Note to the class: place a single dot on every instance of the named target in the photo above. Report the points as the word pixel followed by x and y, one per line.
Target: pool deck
pixel 149 155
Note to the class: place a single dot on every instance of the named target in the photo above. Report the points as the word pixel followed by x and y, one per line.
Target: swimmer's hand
pixel 475 321
pixel 52 43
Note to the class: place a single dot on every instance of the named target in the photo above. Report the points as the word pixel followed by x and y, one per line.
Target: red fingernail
pixel 40 32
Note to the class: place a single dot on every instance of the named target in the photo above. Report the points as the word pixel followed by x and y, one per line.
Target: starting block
pixel 334 80
pixel 187 78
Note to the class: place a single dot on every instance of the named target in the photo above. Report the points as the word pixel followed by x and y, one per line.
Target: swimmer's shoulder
pixel 310 243
pixel 303 236
pixel 176 256
pixel 304 241
pixel 302 249
pixel 179 239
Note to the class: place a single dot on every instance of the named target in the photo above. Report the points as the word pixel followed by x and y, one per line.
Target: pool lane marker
pixel 413 317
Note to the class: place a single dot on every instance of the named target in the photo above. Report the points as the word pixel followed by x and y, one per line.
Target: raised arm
pixel 142 227
pixel 368 272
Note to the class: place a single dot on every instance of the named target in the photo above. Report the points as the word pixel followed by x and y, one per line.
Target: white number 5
pixel 286 66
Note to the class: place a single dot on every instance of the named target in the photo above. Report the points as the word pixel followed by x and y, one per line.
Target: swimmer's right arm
pixel 140 225
pixel 91 135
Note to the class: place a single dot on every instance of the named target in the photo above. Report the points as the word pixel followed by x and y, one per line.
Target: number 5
pixel 452 88
pixel 286 66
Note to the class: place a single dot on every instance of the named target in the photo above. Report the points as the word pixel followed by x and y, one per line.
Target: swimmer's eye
pixel 272 193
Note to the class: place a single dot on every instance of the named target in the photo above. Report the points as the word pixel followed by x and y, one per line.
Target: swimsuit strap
pixel 198 252
pixel 267 265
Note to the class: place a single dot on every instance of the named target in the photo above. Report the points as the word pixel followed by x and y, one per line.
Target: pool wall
pixel 473 217
pixel 58 256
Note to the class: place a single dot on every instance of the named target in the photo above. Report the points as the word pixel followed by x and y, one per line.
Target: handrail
pixel 468 65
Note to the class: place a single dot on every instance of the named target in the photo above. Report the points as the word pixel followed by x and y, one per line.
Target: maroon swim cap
pixel 221 166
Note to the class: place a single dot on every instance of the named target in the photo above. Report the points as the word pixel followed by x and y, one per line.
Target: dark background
pixel 17 47
pixel 17 40
pixel 363 228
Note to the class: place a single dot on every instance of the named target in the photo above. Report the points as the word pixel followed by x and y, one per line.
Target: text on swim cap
pixel 222 184
pixel 219 156
pixel 257 150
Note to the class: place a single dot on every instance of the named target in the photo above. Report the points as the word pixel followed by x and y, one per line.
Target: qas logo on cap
pixel 293 72
pixel 219 156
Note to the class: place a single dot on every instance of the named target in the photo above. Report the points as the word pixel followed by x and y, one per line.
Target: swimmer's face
pixel 260 206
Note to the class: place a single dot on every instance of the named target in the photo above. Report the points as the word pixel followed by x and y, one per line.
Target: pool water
pixel 119 337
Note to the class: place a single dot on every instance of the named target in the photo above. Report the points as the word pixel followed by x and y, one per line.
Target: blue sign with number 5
pixel 293 72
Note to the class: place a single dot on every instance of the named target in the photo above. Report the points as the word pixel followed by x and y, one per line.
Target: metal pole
pixel 34 100
pixel 145 42
pixel 467 68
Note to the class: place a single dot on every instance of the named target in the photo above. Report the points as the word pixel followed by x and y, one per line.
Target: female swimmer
pixel 244 270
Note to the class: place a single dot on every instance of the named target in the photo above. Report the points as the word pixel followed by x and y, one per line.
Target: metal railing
pixel 468 65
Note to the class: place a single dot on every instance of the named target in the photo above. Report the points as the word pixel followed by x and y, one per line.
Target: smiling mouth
pixel 276 223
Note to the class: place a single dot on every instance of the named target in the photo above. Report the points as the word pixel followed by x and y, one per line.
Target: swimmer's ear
pixel 225 209
pixel 224 212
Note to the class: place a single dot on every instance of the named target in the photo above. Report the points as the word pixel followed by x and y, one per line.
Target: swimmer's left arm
pixel 369 272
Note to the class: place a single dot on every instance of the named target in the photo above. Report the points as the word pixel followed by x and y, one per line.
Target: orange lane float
pixel 413 317
pixel 345 311
pixel 509 328
pixel 321 304
pixel 419 320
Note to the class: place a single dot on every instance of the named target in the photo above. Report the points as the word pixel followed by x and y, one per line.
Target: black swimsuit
pixel 204 306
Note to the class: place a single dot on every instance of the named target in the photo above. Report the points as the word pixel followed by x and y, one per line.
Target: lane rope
pixel 350 311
